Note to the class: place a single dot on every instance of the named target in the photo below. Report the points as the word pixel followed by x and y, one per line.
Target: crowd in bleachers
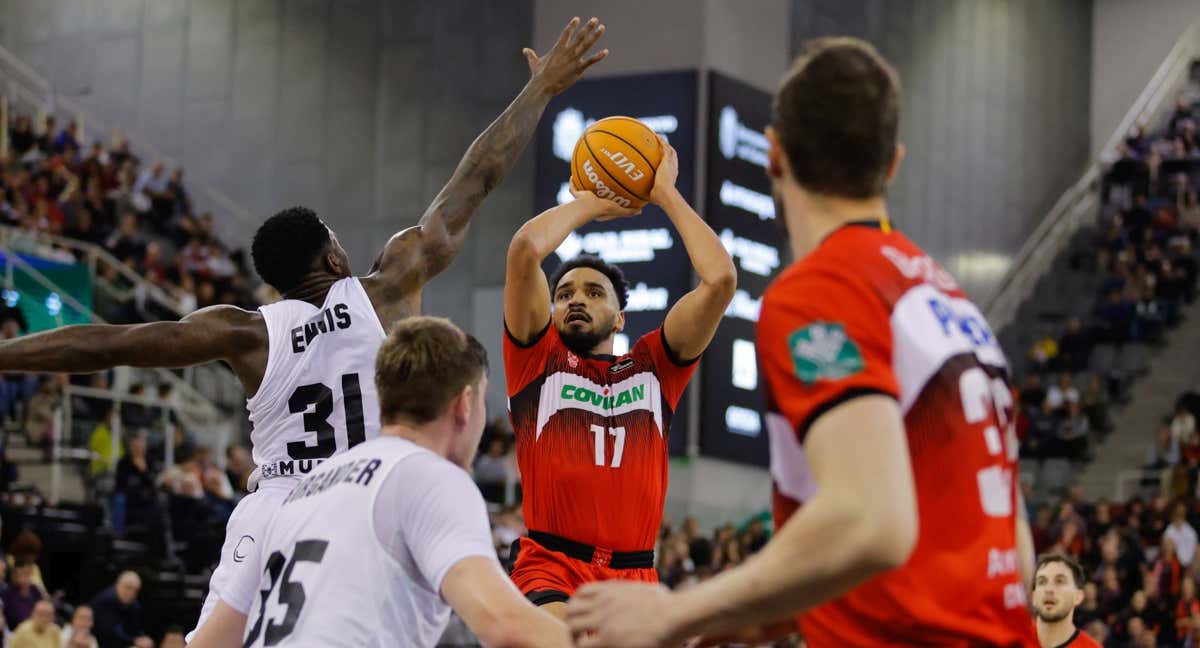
pixel 1144 256
pixel 52 186
pixel 1140 554
pixel 141 213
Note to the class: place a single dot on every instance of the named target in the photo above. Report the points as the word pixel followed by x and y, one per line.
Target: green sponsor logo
pixel 600 399
pixel 823 351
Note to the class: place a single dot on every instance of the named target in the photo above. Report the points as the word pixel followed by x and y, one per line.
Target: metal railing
pixel 1078 203
pixel 192 417
pixel 191 398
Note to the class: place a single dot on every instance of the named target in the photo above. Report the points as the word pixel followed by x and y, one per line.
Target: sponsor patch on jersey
pixel 621 366
pixel 823 351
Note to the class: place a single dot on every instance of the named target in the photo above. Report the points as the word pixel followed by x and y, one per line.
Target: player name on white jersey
pixel 317 397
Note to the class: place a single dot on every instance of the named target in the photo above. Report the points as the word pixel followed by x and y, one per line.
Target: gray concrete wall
pixel 1130 38
pixel 357 108
pixel 994 116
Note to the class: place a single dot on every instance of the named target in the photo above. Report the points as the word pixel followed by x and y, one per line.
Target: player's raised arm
pixel 862 521
pixel 417 254
pixel 482 594
pixel 214 333
pixel 693 320
pixel 526 291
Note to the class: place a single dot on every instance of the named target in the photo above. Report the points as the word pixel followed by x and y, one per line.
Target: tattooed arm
pixel 417 254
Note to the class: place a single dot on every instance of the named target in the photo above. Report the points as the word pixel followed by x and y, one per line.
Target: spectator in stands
pixel 172 638
pixel 179 194
pixel 135 491
pixel 1032 393
pixel 21 137
pixel 22 594
pixel 38 631
pixel 1075 347
pixel 1062 394
pixel 1089 609
pixel 134 414
pixel 1073 432
pixel 1189 211
pixel 100 442
pixel 1112 600
pixel 1044 353
pixel 67 138
pixel 1095 404
pixel 491 471
pixel 1168 570
pixel 1163 453
pixel 79 633
pixel 1183 423
pixel 1117 316
pixel 1182 114
pixel 127 243
pixel 152 184
pixel 1181 534
pixel 1187 607
pixel 45 141
pixel 119 615
pixel 1137 220
pixel 1149 323
pixel 238 466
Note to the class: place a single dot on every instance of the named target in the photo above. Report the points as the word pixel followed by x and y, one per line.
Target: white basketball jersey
pixel 317 397
pixel 328 578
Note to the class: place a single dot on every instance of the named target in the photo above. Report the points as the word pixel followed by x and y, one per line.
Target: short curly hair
pixel 614 274
pixel 285 246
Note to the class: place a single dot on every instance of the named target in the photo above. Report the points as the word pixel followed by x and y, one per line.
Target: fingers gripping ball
pixel 616 159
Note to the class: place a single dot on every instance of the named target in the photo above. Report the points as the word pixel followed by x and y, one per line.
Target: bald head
pixel 128 586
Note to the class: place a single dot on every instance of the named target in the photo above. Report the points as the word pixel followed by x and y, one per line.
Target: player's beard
pixel 584 343
pixel 1056 617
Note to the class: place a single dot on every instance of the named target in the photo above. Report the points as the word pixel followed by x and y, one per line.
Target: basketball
pixel 616 159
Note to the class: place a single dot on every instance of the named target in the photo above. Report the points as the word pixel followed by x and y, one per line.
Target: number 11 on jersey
pixel 619 449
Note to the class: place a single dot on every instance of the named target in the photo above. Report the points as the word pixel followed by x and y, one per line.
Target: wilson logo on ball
pixel 601 189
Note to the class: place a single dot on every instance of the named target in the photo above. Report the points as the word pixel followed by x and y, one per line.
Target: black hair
pixel 837 116
pixel 285 247
pixel 614 274
pixel 1072 565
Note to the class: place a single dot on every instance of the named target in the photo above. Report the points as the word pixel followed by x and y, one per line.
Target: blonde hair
pixel 422 367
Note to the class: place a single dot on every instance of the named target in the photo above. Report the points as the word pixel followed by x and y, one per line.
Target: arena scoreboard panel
pixel 740 209
pixel 646 247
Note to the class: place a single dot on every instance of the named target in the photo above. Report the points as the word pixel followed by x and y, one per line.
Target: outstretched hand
pixel 604 210
pixel 562 66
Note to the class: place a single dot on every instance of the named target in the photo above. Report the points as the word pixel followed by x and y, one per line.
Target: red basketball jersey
pixel 1080 640
pixel 868 312
pixel 592 437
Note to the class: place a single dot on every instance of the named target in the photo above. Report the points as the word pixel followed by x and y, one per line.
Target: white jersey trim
pixel 564 390
pixel 928 328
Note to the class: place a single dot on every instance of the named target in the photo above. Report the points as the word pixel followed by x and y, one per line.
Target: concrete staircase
pixel 1174 368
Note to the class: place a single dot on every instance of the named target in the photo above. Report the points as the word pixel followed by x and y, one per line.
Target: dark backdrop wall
pixel 995 115
pixel 358 108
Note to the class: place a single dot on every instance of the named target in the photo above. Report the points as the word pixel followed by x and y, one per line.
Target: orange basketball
pixel 616 159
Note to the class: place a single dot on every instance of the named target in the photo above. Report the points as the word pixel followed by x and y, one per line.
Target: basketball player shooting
pixel 898 518
pixel 306 362
pixel 592 428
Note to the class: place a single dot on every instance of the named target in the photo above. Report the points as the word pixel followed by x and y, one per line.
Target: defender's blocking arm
pixel 419 253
